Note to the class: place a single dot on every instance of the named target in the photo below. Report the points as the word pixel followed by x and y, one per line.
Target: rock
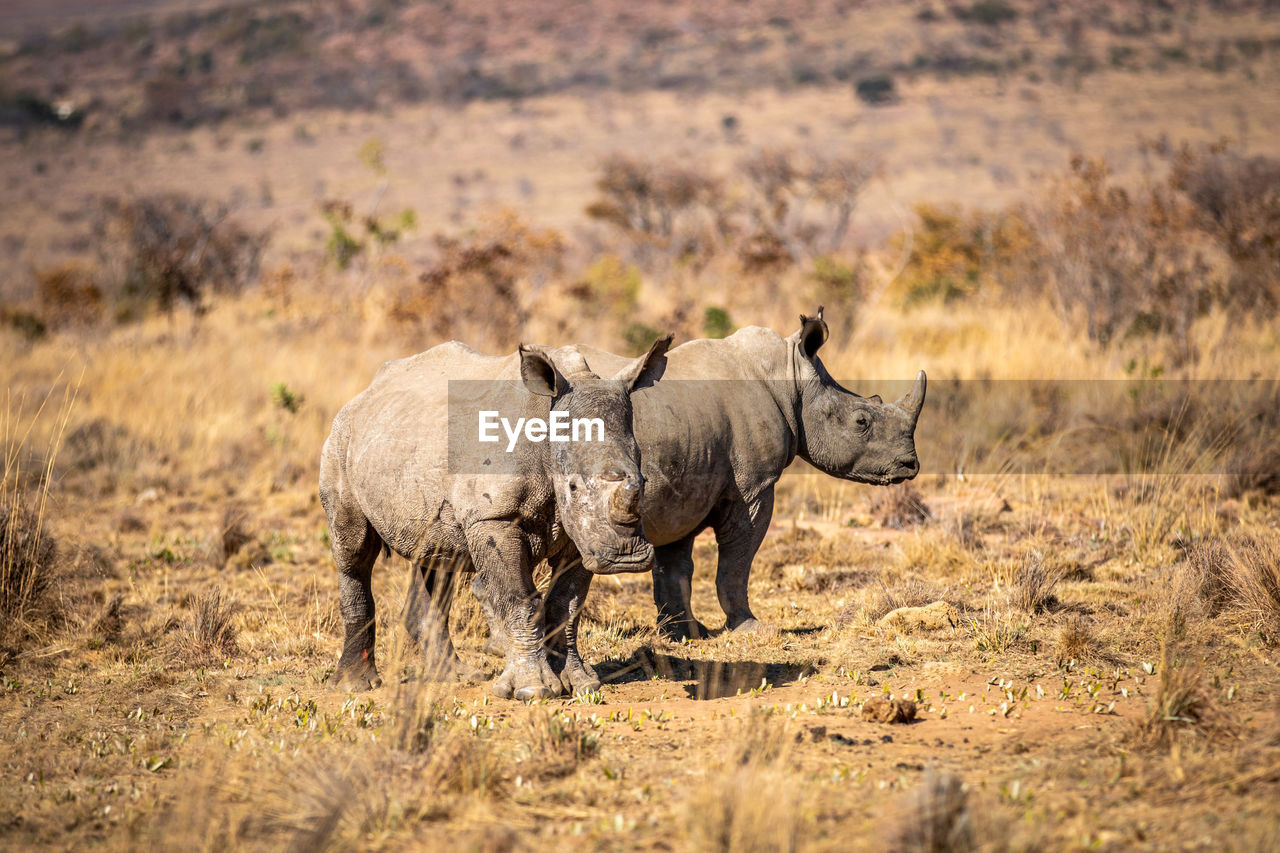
pixel 880 709
pixel 932 617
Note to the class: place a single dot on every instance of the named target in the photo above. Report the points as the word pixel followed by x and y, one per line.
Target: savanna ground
pixel 200 276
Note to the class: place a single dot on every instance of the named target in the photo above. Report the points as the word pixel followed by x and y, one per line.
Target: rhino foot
pixel 579 678
pixel 754 626
pixel 356 677
pixel 528 679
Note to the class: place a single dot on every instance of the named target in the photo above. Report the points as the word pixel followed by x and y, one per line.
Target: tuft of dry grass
pixel 899 507
pixel 1076 640
pixel 753 801
pixel 210 632
pixel 1032 589
pixel 1181 706
pixel 934 817
pixel 1240 577
pixel 556 744
pixel 912 592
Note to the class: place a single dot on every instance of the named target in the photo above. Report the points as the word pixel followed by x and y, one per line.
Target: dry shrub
pixel 1240 577
pixel 934 817
pixel 159 250
pixel 556 744
pixel 675 208
pixel 68 295
pixel 1181 706
pixel 502 266
pixel 1236 199
pixel 754 801
pixel 1076 640
pixel 27 564
pixel 899 507
pixel 209 633
pixel 233 533
pixel 1032 589
pixel 952 254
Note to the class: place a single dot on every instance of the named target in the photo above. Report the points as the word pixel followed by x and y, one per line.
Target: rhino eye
pixel 861 421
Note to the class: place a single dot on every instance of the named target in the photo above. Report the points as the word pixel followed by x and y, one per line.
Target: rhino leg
pixel 739 532
pixel 672 591
pixel 431 590
pixel 355 550
pixel 561 612
pixel 504 582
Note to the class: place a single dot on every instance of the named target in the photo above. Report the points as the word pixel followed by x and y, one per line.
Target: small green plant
pixel 639 337
pixel 716 322
pixel 285 398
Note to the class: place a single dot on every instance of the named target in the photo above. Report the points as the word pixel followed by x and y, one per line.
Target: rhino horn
pixel 913 401
pixel 624 506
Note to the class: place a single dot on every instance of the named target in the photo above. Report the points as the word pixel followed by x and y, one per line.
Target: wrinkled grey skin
pixel 713 450
pixel 386 482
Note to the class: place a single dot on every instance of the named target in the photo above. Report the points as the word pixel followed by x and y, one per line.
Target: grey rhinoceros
pixel 400 472
pixel 715 437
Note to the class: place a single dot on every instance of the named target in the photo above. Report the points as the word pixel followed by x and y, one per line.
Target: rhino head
pixel 597 482
pixel 842 434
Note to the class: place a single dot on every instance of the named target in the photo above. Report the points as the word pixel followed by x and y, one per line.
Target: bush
pixel 716 322
pixel 163 249
pixel 1125 263
pixel 498 266
pixel 954 255
pixel 991 13
pixel 68 295
pixel 876 90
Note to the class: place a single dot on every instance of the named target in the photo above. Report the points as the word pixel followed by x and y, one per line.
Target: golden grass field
pixel 1101 672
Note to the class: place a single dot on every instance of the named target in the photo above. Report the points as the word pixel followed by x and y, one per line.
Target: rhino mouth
pixel 634 554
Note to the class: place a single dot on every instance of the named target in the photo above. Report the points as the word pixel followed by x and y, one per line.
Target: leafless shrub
pixel 68 295
pixel 785 187
pixel 159 250
pixel 1033 585
pixel 899 507
pixel 1126 263
pixel 1236 200
pixel 502 266
pixel 934 817
pixel 674 206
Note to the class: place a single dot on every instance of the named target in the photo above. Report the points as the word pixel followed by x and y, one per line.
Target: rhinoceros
pixel 400 472
pixel 715 437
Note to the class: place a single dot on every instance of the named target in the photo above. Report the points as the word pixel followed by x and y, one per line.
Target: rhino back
pixel 392 444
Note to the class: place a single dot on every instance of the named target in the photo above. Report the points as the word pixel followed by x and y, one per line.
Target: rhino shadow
pixel 710 679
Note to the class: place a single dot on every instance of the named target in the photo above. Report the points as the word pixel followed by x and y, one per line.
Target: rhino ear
pixel 539 373
pixel 648 368
pixel 813 334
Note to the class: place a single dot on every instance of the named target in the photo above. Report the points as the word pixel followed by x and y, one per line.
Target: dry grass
pixel 1032 589
pixel 935 818
pixel 1182 706
pixel 210 632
